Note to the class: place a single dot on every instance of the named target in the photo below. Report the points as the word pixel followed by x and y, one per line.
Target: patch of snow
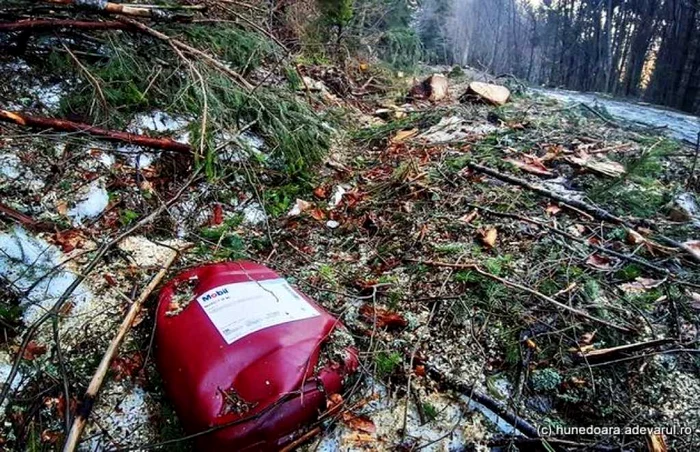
pixel 93 200
pixel 254 214
pixel 236 149
pixel 5 369
pixel 11 169
pixel 10 166
pixel 495 419
pixel 48 95
pixel 681 126
pixel 122 414
pixel 32 266
pixel 688 208
pixel 159 122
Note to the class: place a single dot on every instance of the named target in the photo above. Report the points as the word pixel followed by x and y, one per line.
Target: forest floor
pixel 540 254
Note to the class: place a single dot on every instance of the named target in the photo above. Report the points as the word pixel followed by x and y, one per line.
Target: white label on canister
pixel 239 309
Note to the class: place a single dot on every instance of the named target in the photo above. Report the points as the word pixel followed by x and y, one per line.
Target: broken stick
pixel 63 125
pixel 606 354
pixel 91 394
pixel 515 285
pixel 597 212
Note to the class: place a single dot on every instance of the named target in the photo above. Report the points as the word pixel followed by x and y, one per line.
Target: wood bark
pixel 62 125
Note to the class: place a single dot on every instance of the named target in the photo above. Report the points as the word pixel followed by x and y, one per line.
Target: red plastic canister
pixel 239 351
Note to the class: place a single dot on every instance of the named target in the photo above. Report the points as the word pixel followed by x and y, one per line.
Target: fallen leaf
pixel 217 216
pixel 656 443
pixel 531 164
pixel 531 344
pixel 68 240
pixel 403 135
pixel 577 381
pixel 634 237
pixel 62 207
pixel 320 192
pixel 693 247
pixel 587 338
pixel 383 318
pixel 110 279
pixel 359 423
pixel 420 370
pixel 640 285
pixel 33 350
pixel 317 214
pixel 599 262
pixel 552 209
pixel 468 218
pixel 334 402
pixel 126 367
pixel 49 436
pixel 489 236
pixel 299 206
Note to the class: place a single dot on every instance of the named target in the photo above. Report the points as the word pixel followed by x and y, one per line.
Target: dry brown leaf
pixel 383 318
pixel 359 423
pixel 656 443
pixel 531 164
pixel 468 218
pixel 49 436
pixel 489 236
pixel 62 207
pixel 317 214
pixel 693 247
pixel 587 338
pixel 552 209
pixel 33 350
pixel 403 135
pixel 599 262
pixel 641 285
pixel 634 237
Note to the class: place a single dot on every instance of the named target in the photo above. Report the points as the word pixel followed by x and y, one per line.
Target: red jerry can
pixel 246 356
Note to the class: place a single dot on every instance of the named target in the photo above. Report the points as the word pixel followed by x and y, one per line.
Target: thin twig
pixel 540 295
pixel 97 379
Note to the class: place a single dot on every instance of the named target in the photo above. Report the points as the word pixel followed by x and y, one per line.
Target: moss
pixel 387 363
pixel 545 380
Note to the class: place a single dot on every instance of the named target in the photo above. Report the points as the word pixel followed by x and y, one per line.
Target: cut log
pixel 63 125
pixel 487 92
pixel 433 88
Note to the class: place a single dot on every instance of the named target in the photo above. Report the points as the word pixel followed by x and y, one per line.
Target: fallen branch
pixel 52 24
pixel 63 125
pixel 492 404
pixel 238 78
pixel 91 394
pixel 515 285
pixel 606 354
pixel 25 220
pixel 595 211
